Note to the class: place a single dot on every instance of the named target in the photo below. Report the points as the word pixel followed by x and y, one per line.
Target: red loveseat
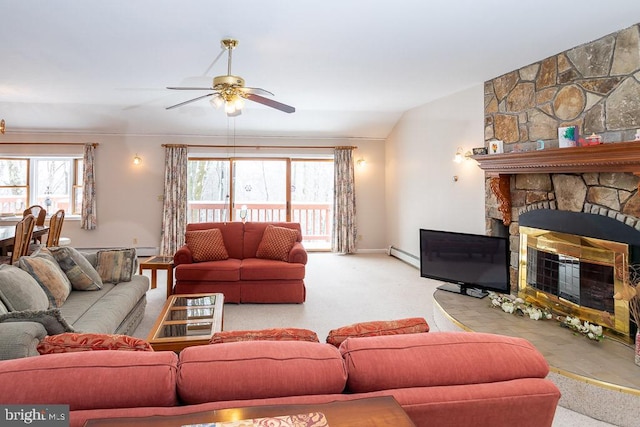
pixel 440 379
pixel 243 277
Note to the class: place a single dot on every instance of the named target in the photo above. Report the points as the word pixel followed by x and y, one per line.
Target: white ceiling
pixel 350 67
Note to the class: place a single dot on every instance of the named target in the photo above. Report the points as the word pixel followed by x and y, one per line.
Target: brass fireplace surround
pixel 581 249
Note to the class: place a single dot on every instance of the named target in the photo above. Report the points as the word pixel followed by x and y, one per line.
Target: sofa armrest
pixel 183 256
pixel 20 339
pixel 298 254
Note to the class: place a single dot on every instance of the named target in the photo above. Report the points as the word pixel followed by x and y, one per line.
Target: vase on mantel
pixel 637 352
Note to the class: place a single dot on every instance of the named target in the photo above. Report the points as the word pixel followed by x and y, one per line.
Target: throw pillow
pixel 410 325
pixel 81 274
pixel 276 243
pixel 117 265
pixel 274 334
pixel 51 319
pixel 72 342
pixel 48 275
pixel 206 245
pixel 19 291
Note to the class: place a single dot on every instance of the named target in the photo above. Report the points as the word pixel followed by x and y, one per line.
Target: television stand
pixel 463 290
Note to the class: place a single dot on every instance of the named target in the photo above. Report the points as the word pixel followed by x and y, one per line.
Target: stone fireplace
pixel 595 87
pixel 577 221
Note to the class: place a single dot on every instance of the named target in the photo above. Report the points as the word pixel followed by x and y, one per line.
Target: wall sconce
pixel 2 126
pixel 361 163
pixel 137 160
pixel 459 157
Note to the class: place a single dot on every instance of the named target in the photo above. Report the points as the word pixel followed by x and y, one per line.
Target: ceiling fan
pixel 231 91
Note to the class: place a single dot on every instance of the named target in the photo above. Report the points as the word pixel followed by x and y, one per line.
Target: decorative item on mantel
pixel 496 146
pixel 567 136
pixel 631 294
pixel 592 139
pixel 637 135
pixel 478 151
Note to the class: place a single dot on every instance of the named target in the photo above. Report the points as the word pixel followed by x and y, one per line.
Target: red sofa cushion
pixel 267 269
pixel 206 245
pixel 410 325
pixel 245 370
pixel 70 342
pixel 438 359
pixel 91 379
pixel 272 334
pixel 227 270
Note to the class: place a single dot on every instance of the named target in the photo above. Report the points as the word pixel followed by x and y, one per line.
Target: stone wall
pixel 595 86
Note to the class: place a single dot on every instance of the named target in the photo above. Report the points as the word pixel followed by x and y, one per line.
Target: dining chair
pixel 40 213
pixel 37 211
pixel 55 227
pixel 21 240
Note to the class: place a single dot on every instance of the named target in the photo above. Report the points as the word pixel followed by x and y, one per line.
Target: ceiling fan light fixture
pixel 238 103
pixel 217 101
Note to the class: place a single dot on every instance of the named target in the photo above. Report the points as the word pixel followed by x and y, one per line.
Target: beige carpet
pixel 342 289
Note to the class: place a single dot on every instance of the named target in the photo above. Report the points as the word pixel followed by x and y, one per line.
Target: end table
pixel 159 262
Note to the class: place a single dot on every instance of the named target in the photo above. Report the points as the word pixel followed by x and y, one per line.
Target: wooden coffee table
pixel 187 320
pixel 365 412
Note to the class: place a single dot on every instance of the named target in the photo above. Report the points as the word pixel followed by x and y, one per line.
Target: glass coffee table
pixel 187 320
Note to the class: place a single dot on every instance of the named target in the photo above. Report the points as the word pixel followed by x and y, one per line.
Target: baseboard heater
pixel 140 251
pixel 405 256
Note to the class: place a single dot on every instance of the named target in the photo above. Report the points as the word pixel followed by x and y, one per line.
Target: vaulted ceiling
pixel 350 67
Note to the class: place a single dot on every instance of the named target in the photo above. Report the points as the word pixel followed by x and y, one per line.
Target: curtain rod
pixel 315 147
pixel 95 144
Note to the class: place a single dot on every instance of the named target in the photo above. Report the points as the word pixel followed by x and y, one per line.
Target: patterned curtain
pixel 344 202
pixel 88 221
pixel 174 211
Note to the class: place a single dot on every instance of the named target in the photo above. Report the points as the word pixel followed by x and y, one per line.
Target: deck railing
pixel 315 218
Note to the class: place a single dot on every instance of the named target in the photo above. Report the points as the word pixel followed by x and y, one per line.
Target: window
pixel 54 183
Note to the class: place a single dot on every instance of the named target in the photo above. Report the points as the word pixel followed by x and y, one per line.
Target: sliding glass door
pixel 264 190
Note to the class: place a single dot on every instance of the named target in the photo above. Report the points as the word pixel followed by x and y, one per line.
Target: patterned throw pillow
pixel 276 243
pixel 48 275
pixel 20 291
pixel 117 265
pixel 51 319
pixel 81 274
pixel 206 245
pixel 74 342
pixel 412 325
pixel 274 334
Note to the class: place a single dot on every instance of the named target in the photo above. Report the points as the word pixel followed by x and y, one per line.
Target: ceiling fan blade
pixel 189 88
pixel 270 103
pixel 189 101
pixel 255 90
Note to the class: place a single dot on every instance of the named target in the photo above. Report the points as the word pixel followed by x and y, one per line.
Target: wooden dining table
pixel 8 234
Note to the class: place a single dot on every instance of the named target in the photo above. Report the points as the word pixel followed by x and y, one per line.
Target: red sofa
pixel 442 378
pixel 243 278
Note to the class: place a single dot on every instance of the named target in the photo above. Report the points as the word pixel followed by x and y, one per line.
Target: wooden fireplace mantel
pixel 610 157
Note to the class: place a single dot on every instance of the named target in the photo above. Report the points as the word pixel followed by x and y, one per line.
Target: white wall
pixel 420 189
pixel 129 197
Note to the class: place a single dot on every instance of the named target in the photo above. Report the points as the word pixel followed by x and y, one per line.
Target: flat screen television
pixel 469 264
